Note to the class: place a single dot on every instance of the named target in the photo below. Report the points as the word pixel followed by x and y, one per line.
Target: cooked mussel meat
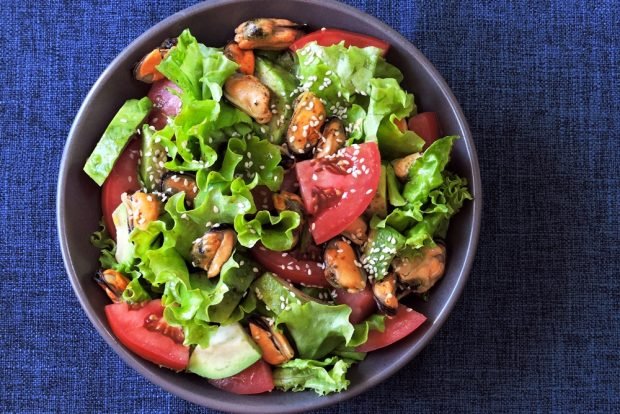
pixel 420 271
pixel 357 231
pixel 267 34
pixel 305 127
pixel 342 268
pixel 142 207
pixel 402 165
pixel 212 250
pixel 332 139
pixel 276 349
pixel 112 282
pixel 284 201
pixel 384 292
pixel 146 70
pixel 173 182
pixel 247 93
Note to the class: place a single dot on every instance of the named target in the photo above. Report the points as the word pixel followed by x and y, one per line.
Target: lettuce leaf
pixel 274 232
pixel 323 377
pixel 394 143
pixel 219 201
pixel 256 160
pixel 444 202
pixel 101 240
pixel 387 99
pixel 135 293
pixel 198 131
pixel 335 73
pixel 195 302
pixel 317 329
pixel 425 174
pixel 198 70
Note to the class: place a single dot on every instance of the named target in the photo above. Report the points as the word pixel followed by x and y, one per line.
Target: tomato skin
pixel 163 99
pixel 397 327
pixel 328 37
pixel 122 179
pixel 289 268
pixel 361 303
pixel 128 325
pixel 348 195
pixel 426 125
pixel 255 379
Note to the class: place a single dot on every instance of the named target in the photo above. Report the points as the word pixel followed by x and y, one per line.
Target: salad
pixel 268 205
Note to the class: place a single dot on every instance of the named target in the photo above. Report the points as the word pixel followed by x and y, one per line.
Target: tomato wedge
pixel 255 379
pixel 361 303
pixel 337 189
pixel 122 179
pixel 328 37
pixel 397 327
pixel 152 339
pixel 426 125
pixel 305 272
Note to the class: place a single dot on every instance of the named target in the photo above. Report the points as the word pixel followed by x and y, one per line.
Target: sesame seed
pixel 216 210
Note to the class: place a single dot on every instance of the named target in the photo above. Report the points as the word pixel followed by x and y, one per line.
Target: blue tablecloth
pixel 538 326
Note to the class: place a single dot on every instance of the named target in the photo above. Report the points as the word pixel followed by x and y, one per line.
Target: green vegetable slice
pixel 115 138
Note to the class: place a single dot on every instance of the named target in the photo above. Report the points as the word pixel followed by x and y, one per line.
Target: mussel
pixel 275 348
pixel 173 182
pixel 247 93
pixel 342 268
pixel 384 292
pixel 402 165
pixel 333 137
pixel 212 250
pixel 112 282
pixel 357 231
pixel 422 270
pixel 267 34
pixel 146 70
pixel 143 208
pixel 305 127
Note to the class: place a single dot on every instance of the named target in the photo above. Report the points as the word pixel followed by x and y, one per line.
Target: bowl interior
pixel 213 23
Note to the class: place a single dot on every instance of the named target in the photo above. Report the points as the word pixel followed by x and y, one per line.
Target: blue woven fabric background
pixel 538 326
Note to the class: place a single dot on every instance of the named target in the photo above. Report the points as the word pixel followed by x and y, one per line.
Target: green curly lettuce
pixel 199 128
pixel 393 143
pixel 274 232
pixel 206 300
pixel 387 101
pixel 324 377
pixel 219 201
pixel 256 160
pixel 359 85
pixel 199 71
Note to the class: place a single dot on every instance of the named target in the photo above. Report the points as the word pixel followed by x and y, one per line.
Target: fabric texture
pixel 538 326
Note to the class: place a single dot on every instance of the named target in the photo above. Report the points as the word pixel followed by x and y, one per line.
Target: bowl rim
pixel 231 406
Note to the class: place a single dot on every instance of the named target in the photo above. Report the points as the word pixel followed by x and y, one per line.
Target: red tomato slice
pixel 426 125
pixel 122 179
pixel 328 37
pixel 361 303
pixel 163 100
pixel 283 264
pixel 337 189
pixel 397 327
pixel 255 379
pixel 153 340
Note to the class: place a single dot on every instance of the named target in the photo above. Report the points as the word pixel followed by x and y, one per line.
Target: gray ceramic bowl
pixel 213 22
